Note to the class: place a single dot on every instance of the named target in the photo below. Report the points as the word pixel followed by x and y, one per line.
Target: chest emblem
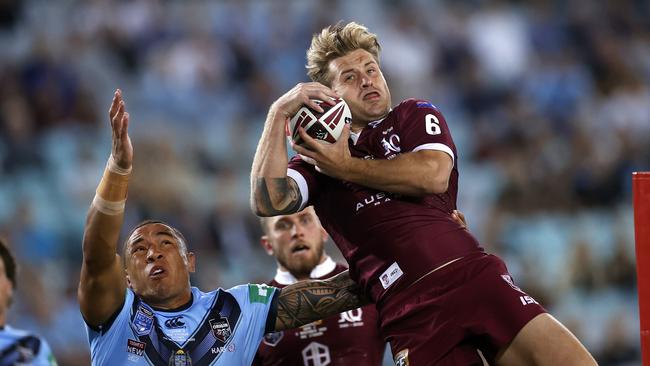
pixel 180 358
pixel 143 321
pixel 391 145
pixel 221 328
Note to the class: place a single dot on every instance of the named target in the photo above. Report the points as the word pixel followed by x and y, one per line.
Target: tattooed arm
pixel 307 301
pixel 272 192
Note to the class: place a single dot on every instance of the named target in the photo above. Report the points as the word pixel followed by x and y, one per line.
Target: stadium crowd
pixel 549 102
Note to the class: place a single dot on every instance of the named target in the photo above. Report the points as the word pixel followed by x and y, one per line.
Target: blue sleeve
pixel 256 302
pixel 104 340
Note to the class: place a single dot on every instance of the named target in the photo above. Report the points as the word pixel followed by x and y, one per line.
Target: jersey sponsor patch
pixel 135 347
pixel 221 328
pixel 259 293
pixel 390 275
pixel 143 321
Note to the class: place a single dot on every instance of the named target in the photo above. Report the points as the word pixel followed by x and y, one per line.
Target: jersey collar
pixel 286 278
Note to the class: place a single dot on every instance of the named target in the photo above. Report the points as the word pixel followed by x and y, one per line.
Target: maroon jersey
pixel 390 240
pixel 350 338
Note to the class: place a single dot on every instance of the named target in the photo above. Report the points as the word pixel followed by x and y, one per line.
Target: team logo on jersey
pixel 143 321
pixel 220 328
pixel 391 145
pixel 510 282
pixel 180 358
pixel 351 318
pixel 175 322
pixel 402 358
pixel 272 339
pixel 135 347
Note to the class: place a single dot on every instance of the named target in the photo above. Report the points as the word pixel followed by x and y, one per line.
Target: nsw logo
pixel 175 322
pixel 143 321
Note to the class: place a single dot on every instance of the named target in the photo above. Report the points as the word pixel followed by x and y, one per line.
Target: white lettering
pixel 432 124
pixel 525 300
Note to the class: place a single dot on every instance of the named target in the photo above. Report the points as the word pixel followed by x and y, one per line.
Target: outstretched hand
pixel 330 159
pixel 122 150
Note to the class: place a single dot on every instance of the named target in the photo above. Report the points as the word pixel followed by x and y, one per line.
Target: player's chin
pixel 376 110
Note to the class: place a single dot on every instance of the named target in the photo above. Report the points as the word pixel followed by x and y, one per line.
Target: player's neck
pixel 176 303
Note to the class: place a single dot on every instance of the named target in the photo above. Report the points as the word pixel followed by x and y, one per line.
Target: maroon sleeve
pixel 305 176
pixel 423 127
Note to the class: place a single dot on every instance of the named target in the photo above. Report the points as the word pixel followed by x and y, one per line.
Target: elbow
pixel 259 209
pixel 256 208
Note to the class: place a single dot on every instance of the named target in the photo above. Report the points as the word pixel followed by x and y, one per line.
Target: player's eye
pixel 371 71
pixel 305 219
pixel 166 242
pixel 139 248
pixel 281 225
pixel 349 78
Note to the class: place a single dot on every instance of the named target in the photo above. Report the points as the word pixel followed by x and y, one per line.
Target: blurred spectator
pixel 549 100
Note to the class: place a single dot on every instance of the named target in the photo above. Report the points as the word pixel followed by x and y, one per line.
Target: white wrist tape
pixel 108 207
pixel 113 167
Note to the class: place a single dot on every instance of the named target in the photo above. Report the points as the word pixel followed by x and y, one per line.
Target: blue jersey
pixel 18 347
pixel 222 327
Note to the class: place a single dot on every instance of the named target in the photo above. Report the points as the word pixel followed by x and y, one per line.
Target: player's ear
pixel 323 234
pixel 191 262
pixel 128 279
pixel 266 244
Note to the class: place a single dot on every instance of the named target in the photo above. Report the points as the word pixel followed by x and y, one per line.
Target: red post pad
pixel 641 194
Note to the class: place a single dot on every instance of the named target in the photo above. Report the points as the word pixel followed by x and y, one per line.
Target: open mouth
pixel 300 248
pixel 156 272
pixel 371 96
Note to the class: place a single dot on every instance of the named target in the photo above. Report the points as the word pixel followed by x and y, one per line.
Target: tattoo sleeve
pixel 308 301
pixel 276 196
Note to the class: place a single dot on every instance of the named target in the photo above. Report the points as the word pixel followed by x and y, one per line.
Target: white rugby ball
pixel 325 127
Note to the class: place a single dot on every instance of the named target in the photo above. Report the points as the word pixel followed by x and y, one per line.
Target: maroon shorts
pixel 445 317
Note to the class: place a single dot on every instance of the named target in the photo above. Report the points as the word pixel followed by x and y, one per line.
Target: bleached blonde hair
pixel 335 41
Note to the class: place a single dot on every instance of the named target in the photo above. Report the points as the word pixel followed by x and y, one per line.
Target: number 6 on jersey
pixel 432 124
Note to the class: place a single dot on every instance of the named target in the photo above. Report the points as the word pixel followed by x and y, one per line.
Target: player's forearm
pixel 105 218
pixel 272 192
pixel 413 174
pixel 308 301
pixel 100 239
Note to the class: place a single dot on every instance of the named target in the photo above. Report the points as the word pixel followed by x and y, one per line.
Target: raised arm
pixel 102 283
pixel 272 192
pixel 308 301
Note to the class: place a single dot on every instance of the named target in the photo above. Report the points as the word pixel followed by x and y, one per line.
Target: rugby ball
pixel 325 127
